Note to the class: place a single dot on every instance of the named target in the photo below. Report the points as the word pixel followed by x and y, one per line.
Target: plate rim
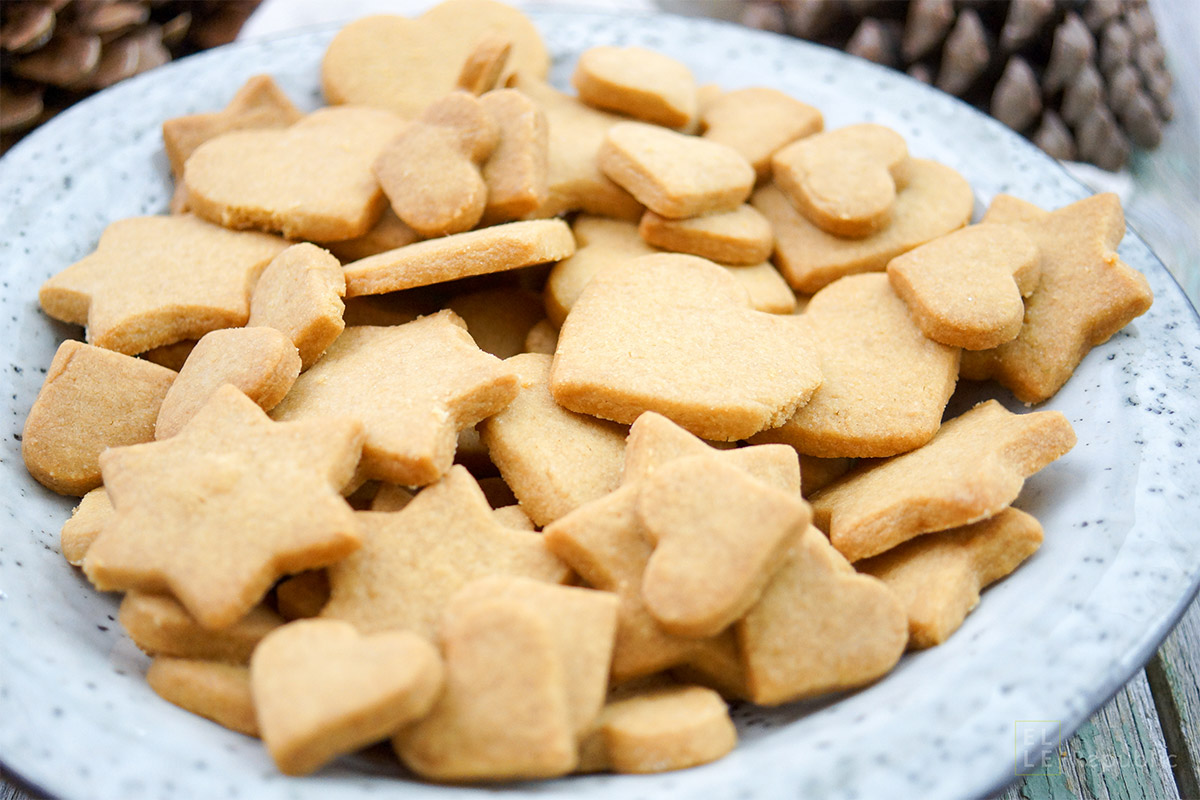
pixel 1094 699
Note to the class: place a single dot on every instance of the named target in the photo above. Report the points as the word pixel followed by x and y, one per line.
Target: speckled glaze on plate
pixel 1050 643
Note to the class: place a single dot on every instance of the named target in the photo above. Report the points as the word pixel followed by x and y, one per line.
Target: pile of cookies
pixel 525 429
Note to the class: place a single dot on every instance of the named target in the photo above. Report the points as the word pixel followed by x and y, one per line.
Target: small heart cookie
pixel 757 122
pixel 965 289
pixel 844 181
pixel 718 535
pixel 321 690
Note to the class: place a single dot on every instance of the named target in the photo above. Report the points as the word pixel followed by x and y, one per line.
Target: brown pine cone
pixel 55 52
pixel 1081 78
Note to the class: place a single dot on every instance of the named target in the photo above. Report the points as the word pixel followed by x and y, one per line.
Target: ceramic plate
pixel 1049 645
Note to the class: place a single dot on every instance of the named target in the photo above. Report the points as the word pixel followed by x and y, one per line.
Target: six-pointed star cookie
pixel 414 387
pixel 233 501
pixel 414 560
pixel 1086 294
pixel 159 280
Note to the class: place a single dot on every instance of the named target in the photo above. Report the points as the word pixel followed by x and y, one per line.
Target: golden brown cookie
pixel 496 249
pixel 261 362
pixel 583 622
pixel 485 63
pixel 740 237
pixel 173 502
pixel 974 467
pixel 260 103
pixel 85 524
pixel 574 181
pixel 646 336
pixel 604 542
pixel 638 83
pixel 674 174
pixel 499 319
pixel 659 729
pixel 310 181
pixel 322 690
pixel 300 294
pixel 430 171
pixel 428 379
pixel 718 536
pixel 491 722
pixel 518 173
pixel 938 577
pixel 405 64
pixel 601 244
pixel 450 530
pixel 884 385
pixel 757 122
pixel 303 595
pixel 844 181
pixel 171 356
pixel 388 233
pixel 214 690
pixel 1085 295
pixel 819 627
pixel 159 625
pixel 935 201
pixel 553 459
pixel 965 289
pixel 154 281
pixel 92 399
pixel 655 441
pixel 542 338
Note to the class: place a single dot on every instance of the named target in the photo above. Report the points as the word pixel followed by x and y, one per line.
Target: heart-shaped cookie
pixel 844 181
pixel 718 537
pixel 965 289
pixel 819 627
pixel 675 334
pixel 405 64
pixel 322 690
pixel 310 181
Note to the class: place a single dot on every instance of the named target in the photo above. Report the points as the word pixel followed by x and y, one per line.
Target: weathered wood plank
pixel 1118 754
pixel 9 791
pixel 1174 675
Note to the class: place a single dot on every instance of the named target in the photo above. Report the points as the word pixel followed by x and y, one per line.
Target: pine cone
pixel 55 52
pixel 1082 78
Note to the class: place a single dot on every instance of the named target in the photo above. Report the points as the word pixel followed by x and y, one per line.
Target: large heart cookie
pixel 676 334
pixel 405 64
pixel 322 690
pixel 310 181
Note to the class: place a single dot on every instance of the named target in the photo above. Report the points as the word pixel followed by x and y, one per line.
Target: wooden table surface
pixel 1146 742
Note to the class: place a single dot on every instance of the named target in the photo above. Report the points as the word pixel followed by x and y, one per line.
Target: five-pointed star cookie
pixel 1086 294
pixel 414 560
pixel 218 512
pixel 413 386
pixel 154 281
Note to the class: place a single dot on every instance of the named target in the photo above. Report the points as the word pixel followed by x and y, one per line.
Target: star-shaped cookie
pixel 413 386
pixel 155 281
pixel 414 560
pixel 1086 294
pixel 221 510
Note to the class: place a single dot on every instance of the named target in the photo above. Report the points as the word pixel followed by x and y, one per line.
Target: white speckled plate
pixel 1051 643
